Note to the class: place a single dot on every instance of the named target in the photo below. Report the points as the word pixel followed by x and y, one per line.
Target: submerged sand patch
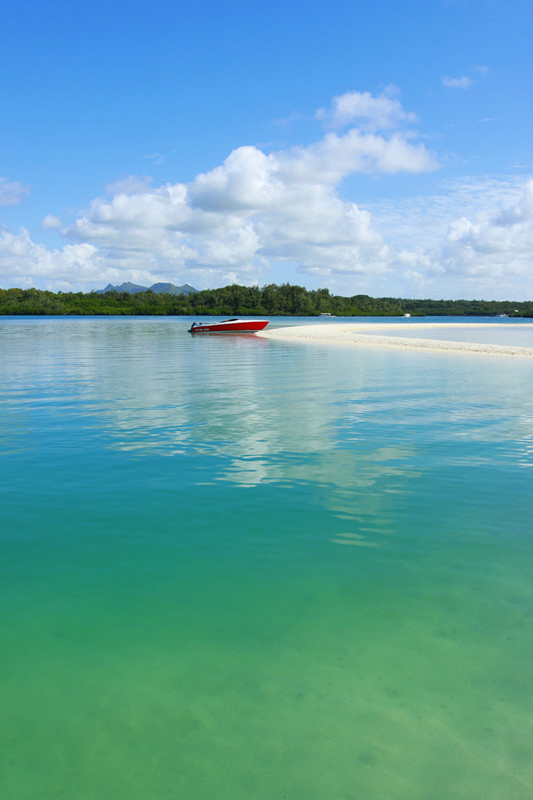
pixel 371 335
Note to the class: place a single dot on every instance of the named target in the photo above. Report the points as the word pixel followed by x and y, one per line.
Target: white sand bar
pixel 374 335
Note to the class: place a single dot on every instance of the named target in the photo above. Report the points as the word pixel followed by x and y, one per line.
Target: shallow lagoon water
pixel 235 567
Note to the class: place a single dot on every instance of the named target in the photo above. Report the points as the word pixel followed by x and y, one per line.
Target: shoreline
pixel 365 335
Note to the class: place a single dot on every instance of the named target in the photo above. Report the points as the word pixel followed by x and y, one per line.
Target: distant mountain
pixel 169 288
pixel 124 287
pixel 157 288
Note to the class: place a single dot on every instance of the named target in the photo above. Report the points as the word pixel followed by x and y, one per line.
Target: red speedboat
pixel 229 326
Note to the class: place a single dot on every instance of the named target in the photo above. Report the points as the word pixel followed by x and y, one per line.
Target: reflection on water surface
pixel 236 567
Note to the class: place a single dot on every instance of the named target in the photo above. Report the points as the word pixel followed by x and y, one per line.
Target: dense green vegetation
pixel 271 300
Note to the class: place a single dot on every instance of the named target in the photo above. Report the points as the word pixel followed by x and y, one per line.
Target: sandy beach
pixel 372 335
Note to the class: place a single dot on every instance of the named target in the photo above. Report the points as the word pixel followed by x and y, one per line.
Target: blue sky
pixel 381 148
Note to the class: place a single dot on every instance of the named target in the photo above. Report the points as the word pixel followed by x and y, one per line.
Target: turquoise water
pixel 242 568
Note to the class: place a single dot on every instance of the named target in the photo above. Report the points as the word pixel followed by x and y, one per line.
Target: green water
pixel 236 568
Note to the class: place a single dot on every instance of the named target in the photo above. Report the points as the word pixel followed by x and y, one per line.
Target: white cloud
pixel 371 113
pixel 335 157
pixel 12 192
pixel 260 212
pixel 22 261
pixel 130 185
pixel 247 181
pixel 157 158
pixel 257 208
pixel 50 222
pixel 473 239
pixel 458 83
pixel 493 245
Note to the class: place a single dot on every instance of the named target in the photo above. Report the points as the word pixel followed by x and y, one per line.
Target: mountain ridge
pixel 157 288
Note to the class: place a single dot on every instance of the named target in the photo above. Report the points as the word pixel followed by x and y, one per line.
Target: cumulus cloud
pixel 458 83
pixel 474 238
pixel 132 184
pixel 50 222
pixel 12 192
pixel 494 246
pixel 259 211
pixel 373 113
pixel 19 255
pixel 256 208
pixel 25 263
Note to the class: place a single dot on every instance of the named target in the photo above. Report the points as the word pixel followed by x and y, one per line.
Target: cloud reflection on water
pixel 357 425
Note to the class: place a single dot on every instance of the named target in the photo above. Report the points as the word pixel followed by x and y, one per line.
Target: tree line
pixel 271 300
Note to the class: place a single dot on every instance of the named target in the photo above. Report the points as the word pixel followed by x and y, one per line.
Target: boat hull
pixel 229 326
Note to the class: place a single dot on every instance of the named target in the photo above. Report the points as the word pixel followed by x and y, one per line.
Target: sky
pixel 379 148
